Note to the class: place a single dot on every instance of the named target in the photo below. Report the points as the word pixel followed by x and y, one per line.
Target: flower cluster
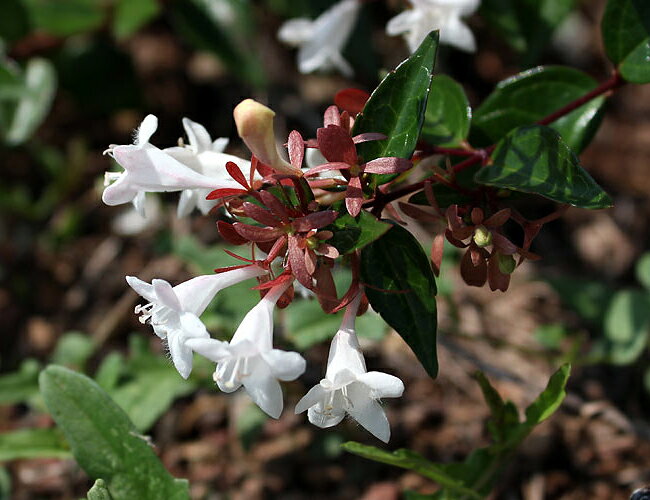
pixel 321 41
pixel 280 210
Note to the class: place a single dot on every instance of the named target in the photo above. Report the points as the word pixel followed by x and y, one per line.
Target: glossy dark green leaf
pixel 410 460
pixel 223 27
pixel 131 15
pixel 448 114
pixel 626 35
pixel 397 106
pixel 65 17
pixel 534 94
pixel 33 443
pixel 444 195
pixel 104 441
pixel 354 233
pixel 402 289
pixel 627 325
pixel 527 25
pixel 536 160
pixel 99 491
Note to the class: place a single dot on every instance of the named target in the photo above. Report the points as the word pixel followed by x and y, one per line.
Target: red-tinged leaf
pixel 497 279
pixel 326 183
pixel 471 274
pixel 394 214
pixel 228 233
pixel 476 255
pixel 324 235
pixel 332 117
pixel 286 298
pixel 348 297
pixel 297 263
pixel 276 249
pixel 264 169
pixel 354 196
pixel 296 147
pixel 275 206
pixel 336 145
pixel 347 122
pixel 283 278
pixel 454 220
pixel 327 250
pixel 498 219
pixel 224 193
pixel 503 244
pixel 260 214
pixel 477 216
pixel 326 167
pixel 257 234
pixel 368 136
pixel 310 261
pixel 351 100
pixel 387 165
pixel 236 174
pixel 454 241
pixel 325 287
pixel 311 143
pixel 437 250
pixel 220 270
pixel 431 197
pixel 238 257
pixel 417 213
pixel 315 220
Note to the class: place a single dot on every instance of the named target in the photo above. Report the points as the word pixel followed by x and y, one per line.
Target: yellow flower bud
pixel 255 126
pixel 482 237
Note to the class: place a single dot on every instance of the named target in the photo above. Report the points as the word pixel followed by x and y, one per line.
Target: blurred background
pixel 78 75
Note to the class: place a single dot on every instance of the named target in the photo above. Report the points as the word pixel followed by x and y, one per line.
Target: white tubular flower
pixel 149 169
pixel 429 15
pixel 250 359
pixel 174 312
pixel 205 157
pixel 322 40
pixel 348 387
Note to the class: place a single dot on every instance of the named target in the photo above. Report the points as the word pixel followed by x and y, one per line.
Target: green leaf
pixel 39 82
pixel 5 484
pixel 110 370
pixel 223 27
pixel 352 233
pixel 19 386
pixel 397 107
pixel 131 15
pixel 626 35
pixel 588 298
pixel 73 350
pixel 536 160
pixel 627 323
pixel 33 443
pixel 402 289
pixel 65 17
pixel 99 491
pixel 448 114
pixel 104 441
pixel 534 94
pixel 407 459
pixel 643 270
pixel 550 399
pixel 527 25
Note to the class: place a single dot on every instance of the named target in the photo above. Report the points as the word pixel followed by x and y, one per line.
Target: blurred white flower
pixel 429 15
pixel 348 387
pixel 149 169
pixel 174 312
pixel 322 40
pixel 250 360
pixel 205 157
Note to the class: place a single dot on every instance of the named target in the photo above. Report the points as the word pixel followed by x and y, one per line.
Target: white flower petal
pixel 198 136
pixel 186 203
pixel 146 129
pixel 141 288
pixel 458 34
pixel 345 354
pixel 402 22
pixel 181 355
pixel 382 385
pixel 139 203
pixel 226 376
pixel 220 144
pixel 165 294
pixel 213 349
pixel 285 365
pixel 192 326
pixel 296 31
pixel 264 389
pixel 314 396
pixel 368 412
pixel 324 420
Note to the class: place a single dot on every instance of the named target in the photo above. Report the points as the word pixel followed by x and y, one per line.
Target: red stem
pixel 482 155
